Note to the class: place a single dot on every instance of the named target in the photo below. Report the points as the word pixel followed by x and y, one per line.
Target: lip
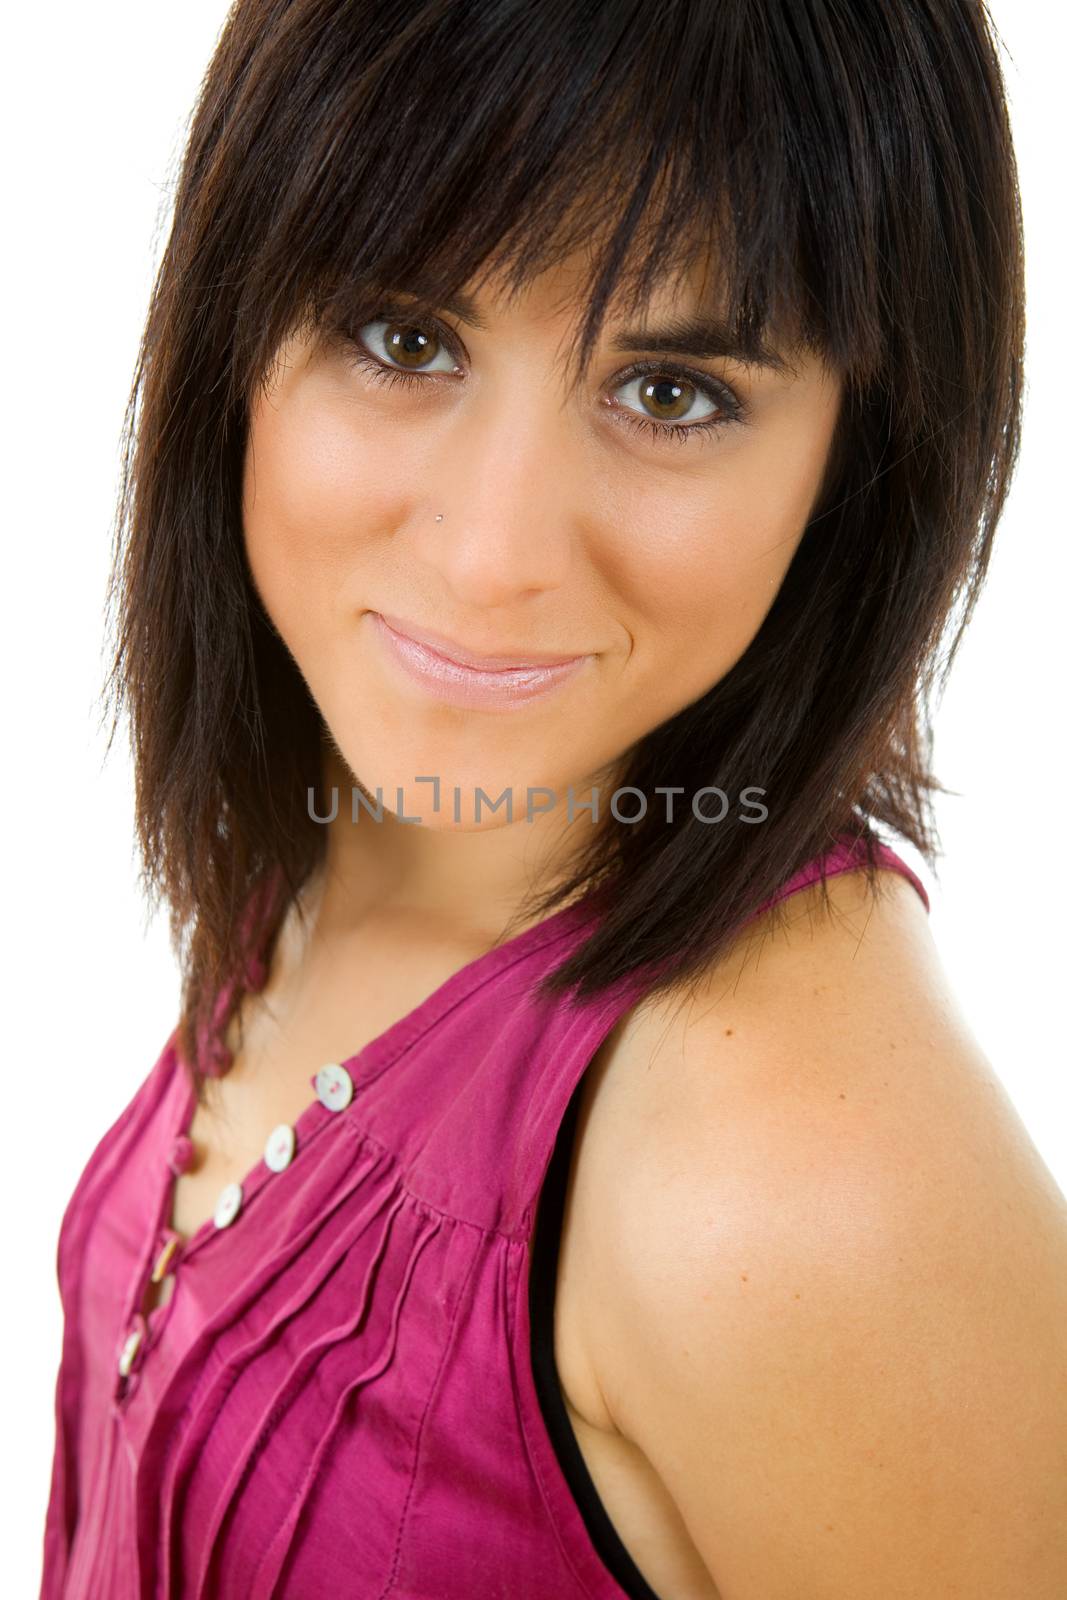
pixel 450 672
pixel 442 646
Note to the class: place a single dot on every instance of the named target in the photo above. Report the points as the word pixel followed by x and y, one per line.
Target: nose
pixel 500 483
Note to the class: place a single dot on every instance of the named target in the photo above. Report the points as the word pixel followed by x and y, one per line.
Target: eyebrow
pixel 703 337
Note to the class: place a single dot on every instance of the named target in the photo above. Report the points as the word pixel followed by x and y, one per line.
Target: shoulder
pixel 832 1269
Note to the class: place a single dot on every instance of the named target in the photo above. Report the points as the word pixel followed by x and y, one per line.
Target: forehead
pixel 652 262
pixel 664 276
pixel 564 287
pixel 671 303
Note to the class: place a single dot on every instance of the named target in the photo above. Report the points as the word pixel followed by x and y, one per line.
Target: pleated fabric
pixel 338 1396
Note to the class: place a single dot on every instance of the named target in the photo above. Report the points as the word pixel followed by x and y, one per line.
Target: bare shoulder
pixel 831 1269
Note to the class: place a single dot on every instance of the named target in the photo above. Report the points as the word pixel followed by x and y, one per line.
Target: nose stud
pixel 440 517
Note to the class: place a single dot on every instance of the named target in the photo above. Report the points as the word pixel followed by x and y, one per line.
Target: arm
pixel 837 1280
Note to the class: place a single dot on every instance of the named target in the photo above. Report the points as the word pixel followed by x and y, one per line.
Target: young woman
pixel 565 450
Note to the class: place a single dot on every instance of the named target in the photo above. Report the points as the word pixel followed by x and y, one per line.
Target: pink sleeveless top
pixel 339 1396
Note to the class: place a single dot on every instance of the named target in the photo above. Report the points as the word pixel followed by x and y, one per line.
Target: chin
pixel 443 790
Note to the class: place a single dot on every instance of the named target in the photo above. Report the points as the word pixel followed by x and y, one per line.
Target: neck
pixel 473 882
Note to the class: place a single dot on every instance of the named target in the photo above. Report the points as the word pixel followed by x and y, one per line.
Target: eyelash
pixel 732 407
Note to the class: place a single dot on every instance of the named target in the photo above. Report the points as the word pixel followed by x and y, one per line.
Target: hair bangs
pixel 401 168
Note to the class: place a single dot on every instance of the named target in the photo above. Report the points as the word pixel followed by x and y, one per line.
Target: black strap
pixel 543 1272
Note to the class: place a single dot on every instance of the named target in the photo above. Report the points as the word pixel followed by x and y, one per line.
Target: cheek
pixel 316 487
pixel 701 566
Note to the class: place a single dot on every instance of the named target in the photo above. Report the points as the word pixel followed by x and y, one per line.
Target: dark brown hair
pixel 851 161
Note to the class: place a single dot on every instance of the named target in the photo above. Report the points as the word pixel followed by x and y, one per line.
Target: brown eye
pixel 415 347
pixel 409 345
pixel 667 399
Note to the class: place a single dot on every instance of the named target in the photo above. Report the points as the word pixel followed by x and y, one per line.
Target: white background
pixel 95 104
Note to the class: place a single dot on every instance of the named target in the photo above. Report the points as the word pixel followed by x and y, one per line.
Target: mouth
pixel 447 648
pixel 451 672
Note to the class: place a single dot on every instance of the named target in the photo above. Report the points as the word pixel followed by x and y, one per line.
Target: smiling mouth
pixel 476 661
pixel 484 682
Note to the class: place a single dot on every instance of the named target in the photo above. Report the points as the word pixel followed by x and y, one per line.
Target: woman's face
pixel 436 470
